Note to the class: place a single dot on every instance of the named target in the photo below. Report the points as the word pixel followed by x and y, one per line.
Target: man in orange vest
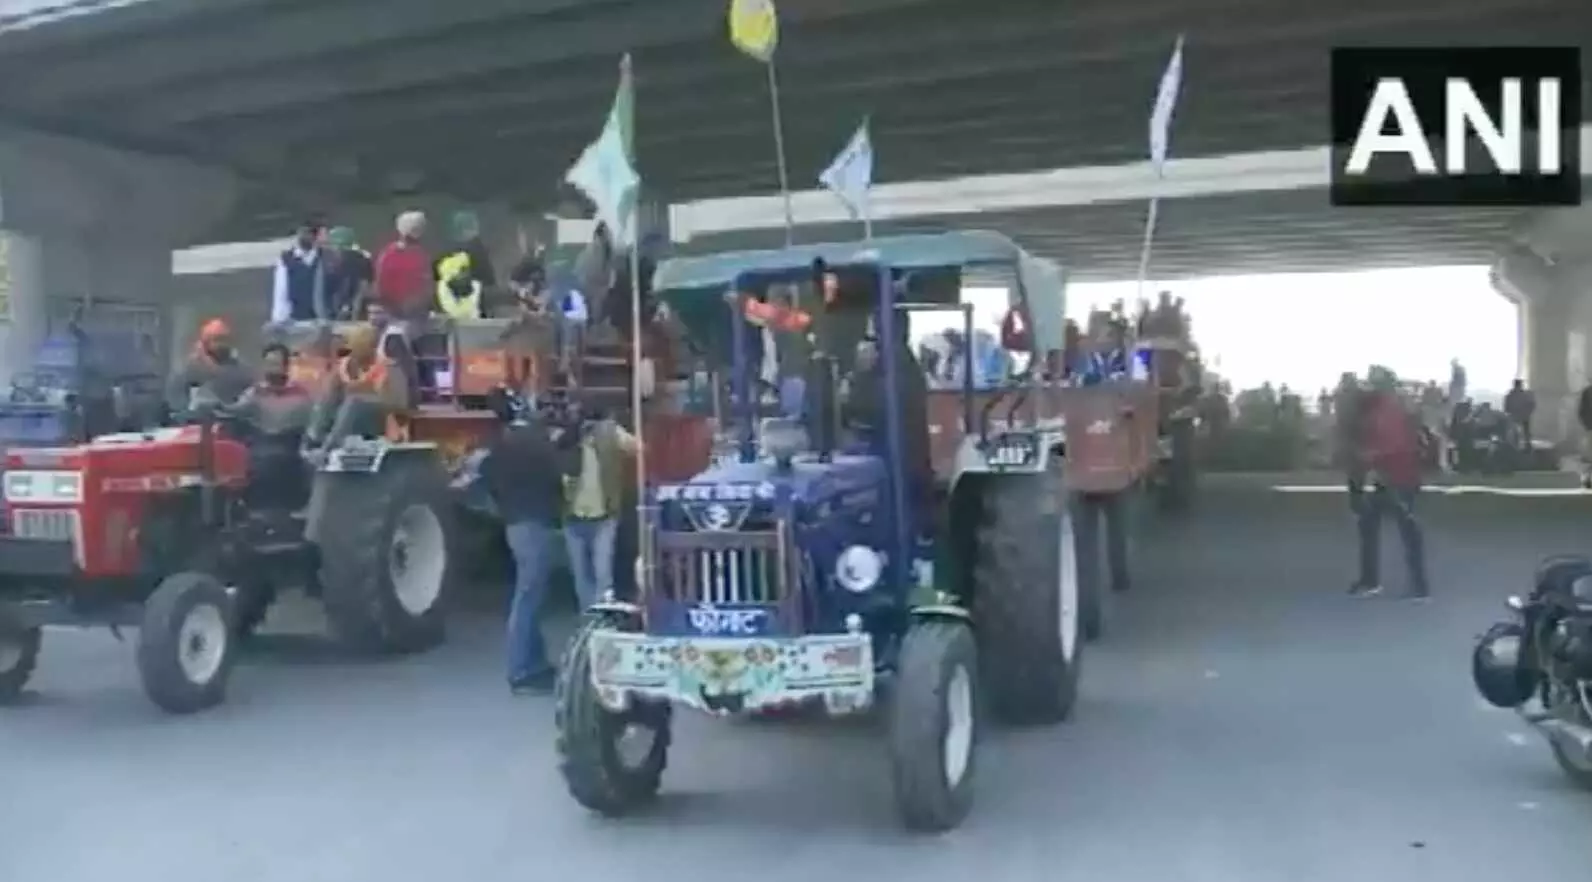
pixel 367 394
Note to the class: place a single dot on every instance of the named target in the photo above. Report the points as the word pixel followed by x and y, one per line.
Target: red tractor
pixel 167 531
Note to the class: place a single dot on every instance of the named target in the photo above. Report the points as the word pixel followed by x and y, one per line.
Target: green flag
pixel 606 170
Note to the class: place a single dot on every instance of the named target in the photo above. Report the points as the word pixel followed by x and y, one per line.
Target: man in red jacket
pixel 404 281
pixel 1390 450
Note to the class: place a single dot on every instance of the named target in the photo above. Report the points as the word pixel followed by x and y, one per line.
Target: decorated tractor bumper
pixel 725 676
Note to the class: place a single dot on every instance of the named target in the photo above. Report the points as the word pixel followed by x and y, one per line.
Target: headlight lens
pixel 859 568
pixel 19 486
pixel 44 487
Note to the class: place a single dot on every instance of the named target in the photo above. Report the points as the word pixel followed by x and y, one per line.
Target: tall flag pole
pixel 1160 134
pixel 850 178
pixel 606 173
pixel 754 30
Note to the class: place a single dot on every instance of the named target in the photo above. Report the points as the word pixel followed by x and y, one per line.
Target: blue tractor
pixel 846 554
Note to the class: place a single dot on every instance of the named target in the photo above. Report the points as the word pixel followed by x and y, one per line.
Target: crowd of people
pixel 1275 428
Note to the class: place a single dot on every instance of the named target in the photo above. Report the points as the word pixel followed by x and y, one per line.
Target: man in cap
pixel 299 282
pixel 465 228
pixel 212 373
pixel 351 270
pixel 403 271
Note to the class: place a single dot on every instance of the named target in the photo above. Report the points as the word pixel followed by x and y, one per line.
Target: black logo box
pixel 1391 180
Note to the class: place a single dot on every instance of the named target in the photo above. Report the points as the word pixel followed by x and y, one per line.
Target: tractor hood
pixel 806 481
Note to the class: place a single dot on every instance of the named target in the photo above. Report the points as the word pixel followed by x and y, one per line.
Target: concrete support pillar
pixel 1555 297
pixel 81 223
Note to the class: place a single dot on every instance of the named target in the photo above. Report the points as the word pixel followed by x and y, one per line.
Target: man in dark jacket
pixel 1521 405
pixel 524 474
pixel 1390 450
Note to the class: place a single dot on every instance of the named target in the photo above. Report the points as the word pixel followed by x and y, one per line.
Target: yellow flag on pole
pixel 754 28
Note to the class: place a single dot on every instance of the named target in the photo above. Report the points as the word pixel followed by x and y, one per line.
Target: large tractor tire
pixel 19 656
pixel 933 725
pixel 186 647
pixel 1027 599
pixel 612 763
pixel 386 542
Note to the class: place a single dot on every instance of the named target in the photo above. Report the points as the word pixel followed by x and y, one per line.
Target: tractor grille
pixel 720 568
pixel 44 523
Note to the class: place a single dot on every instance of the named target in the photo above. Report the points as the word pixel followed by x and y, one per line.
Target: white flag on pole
pixel 850 175
pixel 1165 105
pixel 606 171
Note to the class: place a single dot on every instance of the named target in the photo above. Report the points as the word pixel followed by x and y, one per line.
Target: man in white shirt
pixel 298 282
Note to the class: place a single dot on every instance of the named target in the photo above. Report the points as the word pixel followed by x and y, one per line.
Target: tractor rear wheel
pixel 1027 596
pixel 385 541
pixel 933 725
pixel 612 762
pixel 185 643
pixel 19 656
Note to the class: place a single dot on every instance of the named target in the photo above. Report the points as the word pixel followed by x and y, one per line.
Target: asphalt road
pixel 1244 722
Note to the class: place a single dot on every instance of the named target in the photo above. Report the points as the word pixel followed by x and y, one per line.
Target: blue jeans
pixel 591 557
pixel 531 543
pixel 1376 503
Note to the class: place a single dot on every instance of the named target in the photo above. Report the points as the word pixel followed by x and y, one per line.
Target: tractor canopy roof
pixel 694 287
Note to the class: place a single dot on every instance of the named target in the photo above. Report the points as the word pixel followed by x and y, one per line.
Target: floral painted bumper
pixel 724 675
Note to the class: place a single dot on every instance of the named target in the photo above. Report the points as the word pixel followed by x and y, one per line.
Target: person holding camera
pixel 522 473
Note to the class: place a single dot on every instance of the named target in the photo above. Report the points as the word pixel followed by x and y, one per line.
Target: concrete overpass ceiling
pixel 1256 233
pixel 493 98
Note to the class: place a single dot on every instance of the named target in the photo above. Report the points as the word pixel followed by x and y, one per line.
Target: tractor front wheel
pixel 933 725
pixel 185 644
pixel 612 762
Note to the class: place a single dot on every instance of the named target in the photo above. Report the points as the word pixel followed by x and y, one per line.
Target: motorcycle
pixel 1539 662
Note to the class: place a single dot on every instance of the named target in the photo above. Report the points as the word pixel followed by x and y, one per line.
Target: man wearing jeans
pixel 522 472
pixel 1390 448
pixel 594 497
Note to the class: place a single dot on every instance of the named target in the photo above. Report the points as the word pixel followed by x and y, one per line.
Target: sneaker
pixel 1360 589
pixel 1418 595
pixel 536 684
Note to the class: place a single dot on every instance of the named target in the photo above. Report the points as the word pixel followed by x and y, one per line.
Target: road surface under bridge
pixel 1243 721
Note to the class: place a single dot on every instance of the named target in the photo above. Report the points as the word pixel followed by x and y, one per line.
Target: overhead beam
pixel 279 37
pixel 658 24
pixel 1020 76
pixel 736 161
pixel 565 40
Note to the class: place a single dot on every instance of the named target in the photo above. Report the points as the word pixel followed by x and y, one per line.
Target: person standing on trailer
pixel 300 286
pixel 350 273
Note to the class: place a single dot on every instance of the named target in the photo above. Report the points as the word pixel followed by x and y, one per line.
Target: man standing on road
pixel 1520 405
pixel 596 494
pixel 1390 448
pixel 523 473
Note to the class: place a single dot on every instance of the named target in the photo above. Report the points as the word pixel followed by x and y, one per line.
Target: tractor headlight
pixel 44 487
pixel 19 486
pixel 66 487
pixel 859 568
